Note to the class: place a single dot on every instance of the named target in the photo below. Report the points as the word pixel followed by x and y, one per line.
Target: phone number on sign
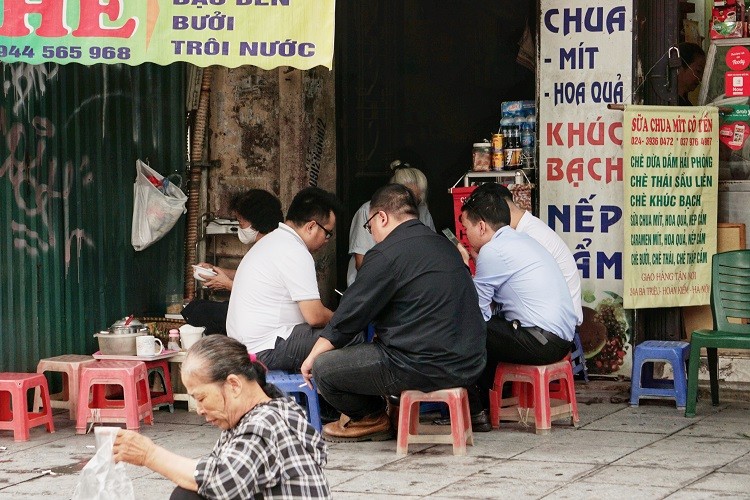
pixel 65 52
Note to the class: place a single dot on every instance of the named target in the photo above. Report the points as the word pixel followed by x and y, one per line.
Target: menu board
pixel 671 200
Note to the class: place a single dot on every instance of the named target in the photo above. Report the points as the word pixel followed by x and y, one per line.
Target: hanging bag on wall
pixel 157 204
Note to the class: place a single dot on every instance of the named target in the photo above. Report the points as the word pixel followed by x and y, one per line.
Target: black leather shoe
pixel 480 422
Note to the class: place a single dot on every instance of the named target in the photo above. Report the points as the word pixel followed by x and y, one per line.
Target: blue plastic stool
pixel 577 358
pixel 643 383
pixel 290 383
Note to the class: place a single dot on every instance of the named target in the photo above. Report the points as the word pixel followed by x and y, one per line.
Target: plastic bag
pixel 157 204
pixel 102 478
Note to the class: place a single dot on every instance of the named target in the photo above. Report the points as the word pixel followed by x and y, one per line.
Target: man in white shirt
pixel 522 221
pixel 275 307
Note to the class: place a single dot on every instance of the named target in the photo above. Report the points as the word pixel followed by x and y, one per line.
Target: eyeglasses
pixel 329 234
pixel 367 225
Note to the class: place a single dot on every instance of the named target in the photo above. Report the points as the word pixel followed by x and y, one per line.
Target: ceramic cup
pixel 145 345
pixel 105 436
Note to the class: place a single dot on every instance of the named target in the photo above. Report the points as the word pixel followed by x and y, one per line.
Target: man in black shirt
pixel 429 332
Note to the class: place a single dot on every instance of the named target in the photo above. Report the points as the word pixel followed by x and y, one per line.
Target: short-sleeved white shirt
pixel 555 245
pixel 360 241
pixel 273 276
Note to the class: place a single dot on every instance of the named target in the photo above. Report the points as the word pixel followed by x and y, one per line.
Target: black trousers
pixel 180 493
pixel 208 313
pixel 506 344
pixel 289 354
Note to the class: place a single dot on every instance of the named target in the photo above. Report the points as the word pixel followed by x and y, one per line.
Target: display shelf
pixel 499 176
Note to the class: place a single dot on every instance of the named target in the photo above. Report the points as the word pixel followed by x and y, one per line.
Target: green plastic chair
pixel 730 299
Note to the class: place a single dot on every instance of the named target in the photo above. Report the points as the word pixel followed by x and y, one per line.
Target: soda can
pixel 498 159
pixel 512 158
pixel 497 142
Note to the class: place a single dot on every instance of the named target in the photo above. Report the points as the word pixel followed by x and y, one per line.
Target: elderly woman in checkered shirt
pixel 267 448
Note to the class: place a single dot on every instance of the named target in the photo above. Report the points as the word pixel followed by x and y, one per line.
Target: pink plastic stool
pixel 409 430
pixel 531 389
pixel 70 367
pixel 132 376
pixel 160 367
pixel 14 412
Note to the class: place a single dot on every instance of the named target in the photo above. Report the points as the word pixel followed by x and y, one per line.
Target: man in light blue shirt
pixel 522 293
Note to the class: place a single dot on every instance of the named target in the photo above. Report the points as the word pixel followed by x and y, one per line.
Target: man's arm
pixel 358 258
pixel 322 345
pixel 315 313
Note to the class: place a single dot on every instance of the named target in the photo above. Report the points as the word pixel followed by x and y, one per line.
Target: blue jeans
pixel 356 378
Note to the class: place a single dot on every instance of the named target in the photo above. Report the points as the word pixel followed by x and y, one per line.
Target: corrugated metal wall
pixel 70 138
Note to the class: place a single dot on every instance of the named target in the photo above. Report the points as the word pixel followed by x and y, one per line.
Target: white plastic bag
pixel 155 210
pixel 101 478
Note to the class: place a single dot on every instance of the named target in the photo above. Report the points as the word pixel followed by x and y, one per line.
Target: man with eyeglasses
pixel 430 335
pixel 522 293
pixel 275 307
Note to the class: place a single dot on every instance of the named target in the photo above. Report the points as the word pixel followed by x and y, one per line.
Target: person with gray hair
pixel 360 241
pixel 429 333
pixel 267 448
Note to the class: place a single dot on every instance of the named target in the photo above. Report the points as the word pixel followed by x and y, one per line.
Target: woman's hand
pixel 219 282
pixel 132 447
pixel 136 449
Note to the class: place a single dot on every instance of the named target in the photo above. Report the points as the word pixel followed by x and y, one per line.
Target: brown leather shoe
pixel 375 427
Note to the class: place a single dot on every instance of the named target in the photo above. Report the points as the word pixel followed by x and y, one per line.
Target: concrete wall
pixel 273 130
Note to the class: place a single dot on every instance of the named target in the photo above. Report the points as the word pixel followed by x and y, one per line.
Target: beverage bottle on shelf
pixel 174 340
pixel 527 140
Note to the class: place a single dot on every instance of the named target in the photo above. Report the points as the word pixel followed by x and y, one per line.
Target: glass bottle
pixel 174 340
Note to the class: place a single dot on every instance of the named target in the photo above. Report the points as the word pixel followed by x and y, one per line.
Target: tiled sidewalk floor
pixel 652 451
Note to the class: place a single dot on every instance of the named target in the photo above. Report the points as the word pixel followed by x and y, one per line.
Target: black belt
pixel 534 331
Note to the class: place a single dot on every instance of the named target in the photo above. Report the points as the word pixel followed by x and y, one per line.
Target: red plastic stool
pixel 531 389
pixel 160 368
pixel 70 367
pixel 132 376
pixel 409 430
pixel 14 409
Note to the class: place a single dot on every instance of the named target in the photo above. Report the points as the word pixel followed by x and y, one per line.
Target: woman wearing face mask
pixel 258 213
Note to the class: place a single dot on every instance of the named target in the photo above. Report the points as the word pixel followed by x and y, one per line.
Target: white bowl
pixel 201 273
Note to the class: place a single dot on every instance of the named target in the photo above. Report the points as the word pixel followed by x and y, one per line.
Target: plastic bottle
pixel 174 340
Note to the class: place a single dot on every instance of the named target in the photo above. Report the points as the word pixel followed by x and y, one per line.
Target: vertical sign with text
pixel 671 202
pixel 585 61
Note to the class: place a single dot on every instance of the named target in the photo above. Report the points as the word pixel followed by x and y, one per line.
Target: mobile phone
pixel 452 237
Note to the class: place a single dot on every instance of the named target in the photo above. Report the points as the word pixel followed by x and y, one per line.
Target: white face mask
pixel 247 235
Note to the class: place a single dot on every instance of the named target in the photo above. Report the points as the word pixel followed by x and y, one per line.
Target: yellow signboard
pixel 671 183
pixel 262 33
